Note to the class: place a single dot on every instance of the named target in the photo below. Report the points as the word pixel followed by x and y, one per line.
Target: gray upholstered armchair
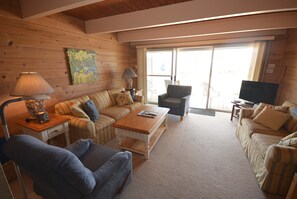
pixel 83 170
pixel 177 99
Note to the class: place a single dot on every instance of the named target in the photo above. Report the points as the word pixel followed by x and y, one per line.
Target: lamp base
pixel 35 106
pixel 132 93
pixel 129 83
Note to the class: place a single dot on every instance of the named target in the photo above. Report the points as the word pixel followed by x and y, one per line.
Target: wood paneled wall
pixel 289 81
pixel 275 56
pixel 39 45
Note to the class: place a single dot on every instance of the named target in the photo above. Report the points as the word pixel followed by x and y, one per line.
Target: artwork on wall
pixel 83 66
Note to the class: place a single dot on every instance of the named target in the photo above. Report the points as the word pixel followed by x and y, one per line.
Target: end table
pixel 55 126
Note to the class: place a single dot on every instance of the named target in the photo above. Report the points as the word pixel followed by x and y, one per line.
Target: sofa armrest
pixel 245 113
pixel 186 97
pixel 186 103
pixel 112 166
pixel 83 127
pixel 139 98
pixel 281 155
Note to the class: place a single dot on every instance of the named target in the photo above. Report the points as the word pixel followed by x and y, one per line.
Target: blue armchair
pixel 177 99
pixel 82 170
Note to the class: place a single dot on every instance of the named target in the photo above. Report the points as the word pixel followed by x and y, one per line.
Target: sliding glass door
pixel 159 72
pixel 231 65
pixel 214 72
pixel 193 68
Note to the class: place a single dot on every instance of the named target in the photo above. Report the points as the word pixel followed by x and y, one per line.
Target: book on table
pixel 150 114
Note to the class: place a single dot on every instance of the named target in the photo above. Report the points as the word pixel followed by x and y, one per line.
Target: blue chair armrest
pixel 79 147
pixel 109 168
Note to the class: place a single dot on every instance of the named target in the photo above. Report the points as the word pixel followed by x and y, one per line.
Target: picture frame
pixel 83 65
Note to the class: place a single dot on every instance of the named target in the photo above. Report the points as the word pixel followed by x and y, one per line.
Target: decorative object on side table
pixel 30 86
pixel 128 75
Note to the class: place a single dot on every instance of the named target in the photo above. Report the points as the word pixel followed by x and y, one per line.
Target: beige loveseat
pixel 101 131
pixel 273 164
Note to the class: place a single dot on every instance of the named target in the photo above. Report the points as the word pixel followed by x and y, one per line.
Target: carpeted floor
pixel 203 112
pixel 199 157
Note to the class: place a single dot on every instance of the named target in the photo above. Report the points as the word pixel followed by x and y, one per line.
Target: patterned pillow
pixel 91 110
pixel 78 112
pixel 290 140
pixel 124 98
pixel 113 93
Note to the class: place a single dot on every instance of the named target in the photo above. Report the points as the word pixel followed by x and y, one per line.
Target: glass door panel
pixel 159 71
pixel 231 65
pixel 156 86
pixel 193 68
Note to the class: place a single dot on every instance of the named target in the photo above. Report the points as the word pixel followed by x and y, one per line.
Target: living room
pixel 38 43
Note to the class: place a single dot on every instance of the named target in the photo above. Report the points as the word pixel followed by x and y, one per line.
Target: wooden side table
pixel 55 126
pixel 236 108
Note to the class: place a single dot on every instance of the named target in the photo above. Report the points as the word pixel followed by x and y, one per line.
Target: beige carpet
pixel 199 157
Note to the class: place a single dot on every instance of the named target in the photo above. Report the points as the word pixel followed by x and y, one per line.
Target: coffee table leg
pixel 147 148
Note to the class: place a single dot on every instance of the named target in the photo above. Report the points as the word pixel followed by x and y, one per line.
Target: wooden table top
pixel 54 120
pixel 134 122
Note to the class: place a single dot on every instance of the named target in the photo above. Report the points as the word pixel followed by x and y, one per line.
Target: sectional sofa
pixel 101 130
pixel 272 156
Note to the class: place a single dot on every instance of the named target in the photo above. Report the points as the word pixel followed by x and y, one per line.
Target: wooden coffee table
pixel 140 134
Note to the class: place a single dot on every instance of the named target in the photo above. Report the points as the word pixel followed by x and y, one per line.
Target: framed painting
pixel 83 66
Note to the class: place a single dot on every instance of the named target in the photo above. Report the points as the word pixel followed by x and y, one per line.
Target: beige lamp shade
pixel 129 73
pixel 31 84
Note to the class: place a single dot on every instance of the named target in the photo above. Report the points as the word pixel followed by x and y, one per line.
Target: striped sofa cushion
pixel 63 108
pixel 115 112
pixel 103 122
pixel 101 100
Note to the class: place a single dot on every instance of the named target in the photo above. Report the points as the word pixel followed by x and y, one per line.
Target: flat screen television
pixel 257 92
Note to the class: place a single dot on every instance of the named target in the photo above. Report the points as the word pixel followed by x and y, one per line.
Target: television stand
pixel 237 106
pixel 248 103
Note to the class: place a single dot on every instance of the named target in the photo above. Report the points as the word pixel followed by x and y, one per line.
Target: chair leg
pixel 181 118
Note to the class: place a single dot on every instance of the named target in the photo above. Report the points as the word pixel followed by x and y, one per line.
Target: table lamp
pixel 34 89
pixel 128 75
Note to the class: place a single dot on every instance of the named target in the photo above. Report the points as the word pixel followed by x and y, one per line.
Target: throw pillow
pixel 271 118
pixel 290 140
pixel 261 106
pixel 113 93
pixel 91 110
pixel 78 112
pixel 259 109
pixel 124 98
pixel 283 109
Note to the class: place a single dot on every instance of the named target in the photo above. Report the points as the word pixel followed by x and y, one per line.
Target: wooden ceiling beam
pixel 191 11
pixel 208 38
pixel 272 21
pixel 39 8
